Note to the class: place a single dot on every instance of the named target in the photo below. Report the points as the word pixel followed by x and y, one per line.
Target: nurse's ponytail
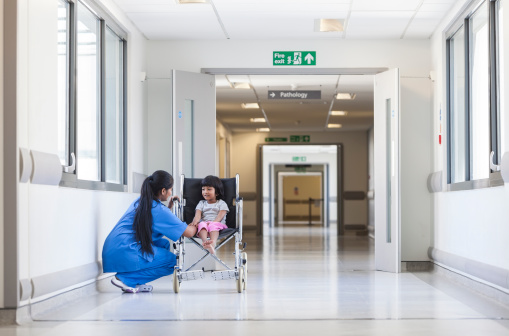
pixel 143 221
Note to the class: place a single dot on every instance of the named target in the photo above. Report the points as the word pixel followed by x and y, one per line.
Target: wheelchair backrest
pixel 191 193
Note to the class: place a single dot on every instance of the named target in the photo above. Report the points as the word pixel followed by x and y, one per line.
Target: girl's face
pixel 209 194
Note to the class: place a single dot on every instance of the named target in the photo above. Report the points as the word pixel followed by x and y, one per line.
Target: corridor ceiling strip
pixel 219 20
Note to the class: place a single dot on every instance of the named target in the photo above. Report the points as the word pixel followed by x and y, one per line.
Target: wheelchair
pixel 190 195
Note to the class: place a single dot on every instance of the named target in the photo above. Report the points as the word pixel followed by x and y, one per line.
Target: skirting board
pixel 490 275
pixel 54 282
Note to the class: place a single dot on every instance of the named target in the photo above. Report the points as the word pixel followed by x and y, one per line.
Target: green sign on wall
pixel 294 58
pixel 300 138
pixel 276 139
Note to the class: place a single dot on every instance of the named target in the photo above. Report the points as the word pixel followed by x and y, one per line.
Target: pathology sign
pixel 308 94
pixel 294 58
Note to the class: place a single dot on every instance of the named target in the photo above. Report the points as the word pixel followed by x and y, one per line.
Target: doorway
pixel 300 198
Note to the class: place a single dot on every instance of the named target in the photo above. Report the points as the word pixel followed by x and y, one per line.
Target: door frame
pixel 339 185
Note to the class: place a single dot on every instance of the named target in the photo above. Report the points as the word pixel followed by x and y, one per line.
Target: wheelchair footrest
pixel 192 275
pixel 224 275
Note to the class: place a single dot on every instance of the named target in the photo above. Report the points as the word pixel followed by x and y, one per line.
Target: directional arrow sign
pixel 308 94
pixel 309 58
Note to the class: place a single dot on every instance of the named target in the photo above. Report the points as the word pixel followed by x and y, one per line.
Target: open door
pixel 387 178
pixel 194 125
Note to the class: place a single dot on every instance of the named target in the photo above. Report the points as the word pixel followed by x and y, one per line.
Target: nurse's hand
pixel 190 231
pixel 173 199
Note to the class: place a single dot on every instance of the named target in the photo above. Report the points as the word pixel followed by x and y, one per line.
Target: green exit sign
pixel 300 138
pixel 299 158
pixel 294 58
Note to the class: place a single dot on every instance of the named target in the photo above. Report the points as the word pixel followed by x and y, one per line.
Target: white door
pixel 194 125
pixel 387 180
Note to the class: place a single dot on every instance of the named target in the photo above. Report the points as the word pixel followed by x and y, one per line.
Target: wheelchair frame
pixel 239 273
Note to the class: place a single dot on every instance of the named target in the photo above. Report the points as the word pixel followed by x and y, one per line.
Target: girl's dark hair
pixel 142 224
pixel 215 182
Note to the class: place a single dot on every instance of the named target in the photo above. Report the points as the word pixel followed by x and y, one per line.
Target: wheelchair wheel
pixel 240 280
pixel 176 282
pixel 244 261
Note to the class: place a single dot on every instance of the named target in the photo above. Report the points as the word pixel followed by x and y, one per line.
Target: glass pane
pixel 501 70
pixel 114 116
pixel 480 96
pixel 388 173
pixel 88 109
pixel 63 80
pixel 188 141
pixel 457 99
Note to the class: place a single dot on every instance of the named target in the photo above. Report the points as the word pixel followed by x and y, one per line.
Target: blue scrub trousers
pixel 162 265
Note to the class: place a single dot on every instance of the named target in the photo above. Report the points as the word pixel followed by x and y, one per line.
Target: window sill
pixel 70 180
pixel 495 180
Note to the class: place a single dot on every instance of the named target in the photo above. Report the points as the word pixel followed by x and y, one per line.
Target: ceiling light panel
pixel 250 105
pixel 338 113
pixel 334 126
pixel 263 129
pixel 329 25
pixel 257 120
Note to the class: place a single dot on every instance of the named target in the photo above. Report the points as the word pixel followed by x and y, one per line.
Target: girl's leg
pixel 212 243
pixel 203 234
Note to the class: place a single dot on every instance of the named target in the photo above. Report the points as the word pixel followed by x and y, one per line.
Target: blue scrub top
pixel 121 253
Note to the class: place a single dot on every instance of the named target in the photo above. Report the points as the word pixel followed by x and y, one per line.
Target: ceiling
pixel 284 20
pixel 295 114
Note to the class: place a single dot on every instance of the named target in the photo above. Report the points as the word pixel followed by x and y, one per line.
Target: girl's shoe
pixel 144 288
pixel 126 289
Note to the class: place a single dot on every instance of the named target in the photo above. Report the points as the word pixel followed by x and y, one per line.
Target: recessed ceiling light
pixel 263 129
pixel 334 126
pixel 241 85
pixel 329 25
pixel 191 1
pixel 345 95
pixel 257 120
pixel 250 105
pixel 338 113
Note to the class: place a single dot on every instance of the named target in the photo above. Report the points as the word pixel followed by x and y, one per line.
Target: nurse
pixel 136 248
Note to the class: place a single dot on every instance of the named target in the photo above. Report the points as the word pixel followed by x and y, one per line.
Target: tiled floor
pixel 302 281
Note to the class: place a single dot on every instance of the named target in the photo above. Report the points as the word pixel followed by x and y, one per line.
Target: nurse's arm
pixel 190 231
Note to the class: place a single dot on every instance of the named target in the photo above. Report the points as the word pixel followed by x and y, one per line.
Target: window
pixel 472 91
pixel 92 84
pixel 63 81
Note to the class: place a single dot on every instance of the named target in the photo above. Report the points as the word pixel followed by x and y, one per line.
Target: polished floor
pixel 302 281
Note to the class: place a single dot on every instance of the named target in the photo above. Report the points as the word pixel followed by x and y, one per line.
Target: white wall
pixel 411 56
pixel 471 224
pixel 64 228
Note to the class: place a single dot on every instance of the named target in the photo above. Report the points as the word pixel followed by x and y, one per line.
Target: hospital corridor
pixel 254 167
pixel 301 281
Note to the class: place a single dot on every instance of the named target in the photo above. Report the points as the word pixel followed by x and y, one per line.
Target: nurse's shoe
pixel 144 288
pixel 126 289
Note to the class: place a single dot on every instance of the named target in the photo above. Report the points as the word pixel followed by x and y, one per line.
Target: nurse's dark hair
pixel 143 221
pixel 215 182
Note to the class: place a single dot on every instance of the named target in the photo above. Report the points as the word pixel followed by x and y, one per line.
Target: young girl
pixel 210 215
pixel 136 248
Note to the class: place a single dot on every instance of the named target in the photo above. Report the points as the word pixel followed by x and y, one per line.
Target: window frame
pixel 464 20
pixel 70 179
